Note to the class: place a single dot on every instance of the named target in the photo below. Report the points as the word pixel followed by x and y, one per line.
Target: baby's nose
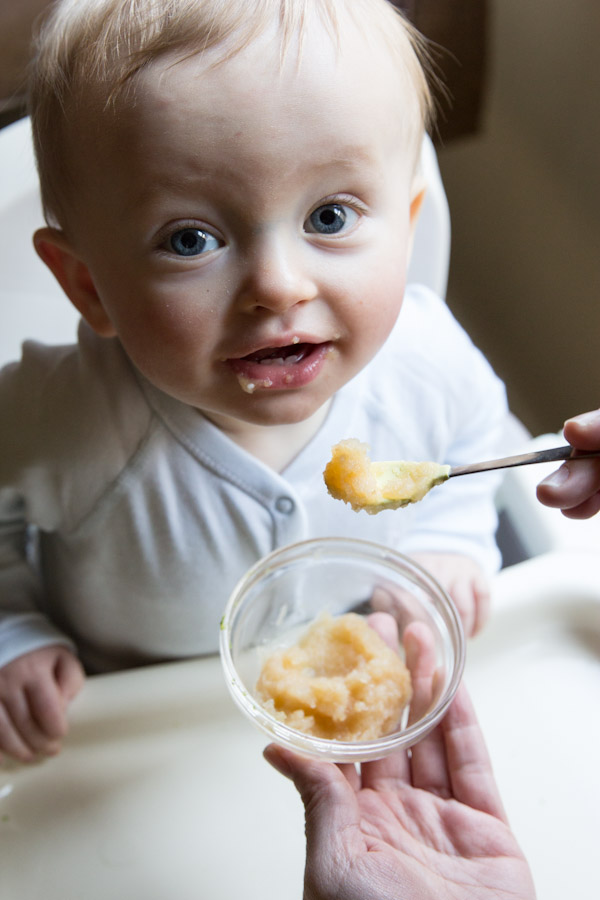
pixel 276 278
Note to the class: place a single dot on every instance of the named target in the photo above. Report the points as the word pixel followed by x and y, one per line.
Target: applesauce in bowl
pixel 303 663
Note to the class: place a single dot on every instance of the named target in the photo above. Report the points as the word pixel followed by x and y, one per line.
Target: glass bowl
pixel 285 592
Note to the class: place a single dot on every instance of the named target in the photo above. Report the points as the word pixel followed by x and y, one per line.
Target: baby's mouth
pixel 279 368
pixel 280 356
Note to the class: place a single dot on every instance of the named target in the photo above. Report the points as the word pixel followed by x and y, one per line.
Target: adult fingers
pixel 583 431
pixel 402 604
pixel 386 627
pixel 469 767
pixel 585 510
pixel 429 769
pixel 334 839
pixel 419 646
pixel 572 486
pixel 426 767
pixel 386 774
pixel 351 774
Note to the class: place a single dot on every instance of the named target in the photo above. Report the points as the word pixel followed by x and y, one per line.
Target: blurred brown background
pixel 518 150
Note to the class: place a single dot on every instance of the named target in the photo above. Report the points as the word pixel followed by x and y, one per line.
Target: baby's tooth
pixel 280 360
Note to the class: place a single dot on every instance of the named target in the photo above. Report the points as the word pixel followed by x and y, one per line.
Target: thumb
pixel 329 800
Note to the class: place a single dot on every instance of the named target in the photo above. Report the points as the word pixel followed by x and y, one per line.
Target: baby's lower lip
pixel 280 368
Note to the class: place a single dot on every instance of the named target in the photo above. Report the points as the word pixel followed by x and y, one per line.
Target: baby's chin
pixel 268 412
pixel 278 411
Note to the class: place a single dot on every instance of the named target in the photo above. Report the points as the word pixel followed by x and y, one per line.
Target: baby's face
pixel 247 227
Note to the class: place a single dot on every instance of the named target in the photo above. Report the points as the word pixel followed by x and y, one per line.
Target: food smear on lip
pixel 340 681
pixel 250 386
pixel 293 365
pixel 374 486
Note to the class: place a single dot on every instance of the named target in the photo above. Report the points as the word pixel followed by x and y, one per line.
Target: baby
pixel 231 190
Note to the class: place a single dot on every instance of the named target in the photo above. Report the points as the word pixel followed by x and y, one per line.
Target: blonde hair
pixel 93 49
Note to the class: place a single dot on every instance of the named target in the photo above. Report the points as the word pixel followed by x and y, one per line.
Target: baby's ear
pixel 417 195
pixel 54 248
pixel 416 201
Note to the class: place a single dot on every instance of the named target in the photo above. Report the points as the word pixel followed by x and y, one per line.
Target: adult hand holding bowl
pixel 282 596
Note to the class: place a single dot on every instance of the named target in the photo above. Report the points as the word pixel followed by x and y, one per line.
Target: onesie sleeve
pixel 23 627
pixel 71 418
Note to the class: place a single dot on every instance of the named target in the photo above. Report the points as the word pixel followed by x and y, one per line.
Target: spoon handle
pixel 525 459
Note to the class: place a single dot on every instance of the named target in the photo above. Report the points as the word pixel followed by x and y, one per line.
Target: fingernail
pixel 586 419
pixel 557 478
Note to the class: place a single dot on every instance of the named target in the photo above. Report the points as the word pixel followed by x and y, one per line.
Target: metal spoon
pixel 396 483
pixel 525 459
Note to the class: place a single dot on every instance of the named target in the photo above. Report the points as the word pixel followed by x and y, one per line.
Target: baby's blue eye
pixel 192 242
pixel 330 219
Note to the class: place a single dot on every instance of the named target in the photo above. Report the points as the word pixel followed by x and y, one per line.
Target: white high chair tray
pixel 534 674
pixel 161 790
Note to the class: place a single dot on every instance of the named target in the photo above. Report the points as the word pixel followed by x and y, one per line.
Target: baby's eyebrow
pixel 349 156
pixel 192 177
pixel 165 182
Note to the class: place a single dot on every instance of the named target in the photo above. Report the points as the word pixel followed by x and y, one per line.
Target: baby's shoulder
pixel 77 415
pixel 426 328
pixel 73 386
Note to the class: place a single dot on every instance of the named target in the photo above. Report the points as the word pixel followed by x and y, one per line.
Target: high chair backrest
pixel 32 305
pixel 430 258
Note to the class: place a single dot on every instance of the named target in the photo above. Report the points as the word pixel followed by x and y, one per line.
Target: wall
pixel 525 202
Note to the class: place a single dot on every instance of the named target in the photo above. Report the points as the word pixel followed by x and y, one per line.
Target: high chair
pixel 161 790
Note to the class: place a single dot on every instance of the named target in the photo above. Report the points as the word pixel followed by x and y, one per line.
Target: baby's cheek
pixel 167 349
pixel 379 310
